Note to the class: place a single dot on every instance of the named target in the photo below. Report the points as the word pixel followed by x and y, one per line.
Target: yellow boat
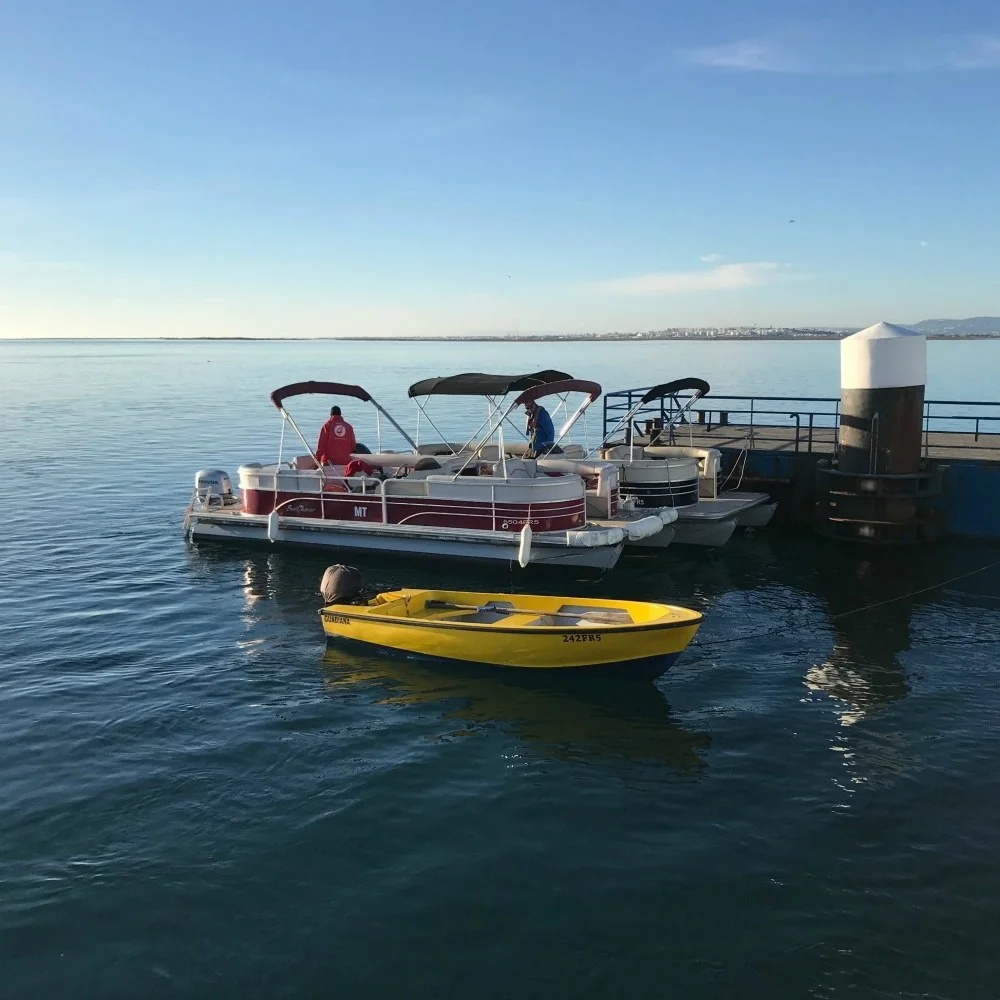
pixel 524 630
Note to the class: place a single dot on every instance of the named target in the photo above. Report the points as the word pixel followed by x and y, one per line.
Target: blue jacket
pixel 541 434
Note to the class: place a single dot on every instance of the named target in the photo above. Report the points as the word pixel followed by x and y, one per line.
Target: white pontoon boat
pixel 684 477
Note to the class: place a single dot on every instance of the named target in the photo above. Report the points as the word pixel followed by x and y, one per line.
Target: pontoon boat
pixel 404 502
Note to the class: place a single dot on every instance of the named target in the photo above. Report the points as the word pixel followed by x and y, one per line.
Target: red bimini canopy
pixel 592 389
pixel 319 389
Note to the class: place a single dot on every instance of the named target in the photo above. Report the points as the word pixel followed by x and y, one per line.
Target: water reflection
pixel 798 584
pixel 863 671
pixel 276 572
pixel 571 718
pixel 871 619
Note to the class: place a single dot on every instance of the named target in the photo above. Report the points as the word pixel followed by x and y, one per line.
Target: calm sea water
pixel 198 798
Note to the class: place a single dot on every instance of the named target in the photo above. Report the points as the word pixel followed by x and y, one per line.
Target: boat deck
pixel 719 508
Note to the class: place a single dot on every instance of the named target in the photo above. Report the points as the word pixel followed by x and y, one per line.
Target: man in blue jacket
pixel 541 434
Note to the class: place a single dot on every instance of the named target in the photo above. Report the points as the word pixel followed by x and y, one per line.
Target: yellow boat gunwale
pixel 335 611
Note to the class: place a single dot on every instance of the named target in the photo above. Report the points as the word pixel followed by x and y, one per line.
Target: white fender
pixel 273 526
pixel 524 549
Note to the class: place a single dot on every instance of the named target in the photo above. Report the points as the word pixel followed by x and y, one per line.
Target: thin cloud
pixel 821 52
pixel 711 258
pixel 10 259
pixel 725 277
pixel 924 243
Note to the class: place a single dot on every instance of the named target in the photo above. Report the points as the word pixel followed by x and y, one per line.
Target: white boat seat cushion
pixel 622 451
pixel 517 468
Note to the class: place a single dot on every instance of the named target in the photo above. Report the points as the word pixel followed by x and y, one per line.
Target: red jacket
pixel 336 442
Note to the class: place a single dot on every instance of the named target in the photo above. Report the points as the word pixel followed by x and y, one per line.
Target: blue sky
pixel 406 167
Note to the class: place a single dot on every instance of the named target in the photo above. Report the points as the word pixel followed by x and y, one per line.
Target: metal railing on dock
pixel 951 428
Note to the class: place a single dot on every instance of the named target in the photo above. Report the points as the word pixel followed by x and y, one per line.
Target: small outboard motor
pixel 213 487
pixel 341 584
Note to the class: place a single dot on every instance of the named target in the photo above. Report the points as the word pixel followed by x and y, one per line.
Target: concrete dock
pixel 822 440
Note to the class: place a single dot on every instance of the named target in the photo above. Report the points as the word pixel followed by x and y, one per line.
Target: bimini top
pixel 592 389
pixel 479 384
pixel 678 385
pixel 318 388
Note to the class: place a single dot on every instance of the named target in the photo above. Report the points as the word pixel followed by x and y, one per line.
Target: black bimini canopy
pixel 318 388
pixel 592 389
pixel 678 385
pixel 480 384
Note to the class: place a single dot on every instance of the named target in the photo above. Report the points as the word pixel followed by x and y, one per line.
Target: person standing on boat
pixel 541 434
pixel 336 440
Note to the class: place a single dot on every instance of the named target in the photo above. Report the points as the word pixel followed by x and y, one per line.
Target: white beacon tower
pixel 883 371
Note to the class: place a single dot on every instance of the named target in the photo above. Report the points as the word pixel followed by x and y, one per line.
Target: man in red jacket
pixel 336 440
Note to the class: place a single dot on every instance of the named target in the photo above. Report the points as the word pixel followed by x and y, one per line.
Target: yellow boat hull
pixel 529 632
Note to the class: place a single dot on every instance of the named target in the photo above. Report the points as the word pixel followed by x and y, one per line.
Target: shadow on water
pixel 571 717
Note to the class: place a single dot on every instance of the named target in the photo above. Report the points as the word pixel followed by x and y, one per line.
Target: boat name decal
pixel 582 637
pixel 338 619
pixel 360 511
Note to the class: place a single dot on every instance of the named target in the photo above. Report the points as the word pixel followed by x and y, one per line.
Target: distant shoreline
pixel 541 339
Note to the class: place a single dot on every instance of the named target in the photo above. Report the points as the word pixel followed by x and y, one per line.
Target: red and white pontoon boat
pixel 463 506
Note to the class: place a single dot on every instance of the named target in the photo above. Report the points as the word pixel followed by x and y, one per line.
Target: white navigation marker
pixel 883 371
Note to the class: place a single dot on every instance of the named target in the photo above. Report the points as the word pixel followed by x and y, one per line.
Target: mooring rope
pixel 946 640
pixel 742 456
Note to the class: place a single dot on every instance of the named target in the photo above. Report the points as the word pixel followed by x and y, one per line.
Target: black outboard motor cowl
pixel 341 584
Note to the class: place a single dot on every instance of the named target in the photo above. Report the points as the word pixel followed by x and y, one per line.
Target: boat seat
pixel 622 451
pixel 489 453
pixel 517 468
pixel 437 448
pixel 484 617
pixel 303 462
pixel 409 487
pixel 545 621
pixel 581 609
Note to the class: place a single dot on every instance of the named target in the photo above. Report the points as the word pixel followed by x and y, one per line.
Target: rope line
pixel 855 611
pixel 742 457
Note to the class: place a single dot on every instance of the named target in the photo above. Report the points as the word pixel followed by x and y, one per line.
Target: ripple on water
pixel 201 799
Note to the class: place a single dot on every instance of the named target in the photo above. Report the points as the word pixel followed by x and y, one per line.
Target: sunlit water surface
pixel 200 799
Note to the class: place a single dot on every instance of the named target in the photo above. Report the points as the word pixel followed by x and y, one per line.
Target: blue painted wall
pixel 971 500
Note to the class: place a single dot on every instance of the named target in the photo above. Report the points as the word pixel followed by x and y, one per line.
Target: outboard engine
pixel 341 584
pixel 213 487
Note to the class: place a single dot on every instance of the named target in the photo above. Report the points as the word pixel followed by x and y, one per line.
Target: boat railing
pixel 797 423
pixel 374 488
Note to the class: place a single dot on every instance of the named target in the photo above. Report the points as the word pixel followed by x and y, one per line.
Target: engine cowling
pixel 213 487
